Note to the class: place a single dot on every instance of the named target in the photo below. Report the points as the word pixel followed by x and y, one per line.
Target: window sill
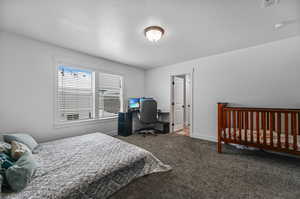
pixel 83 122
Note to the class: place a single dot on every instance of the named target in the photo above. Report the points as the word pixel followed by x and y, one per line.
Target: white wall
pixel 266 75
pixel 27 77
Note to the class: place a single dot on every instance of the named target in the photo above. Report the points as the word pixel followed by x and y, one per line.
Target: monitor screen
pixel 134 103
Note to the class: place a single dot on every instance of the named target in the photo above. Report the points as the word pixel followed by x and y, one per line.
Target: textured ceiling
pixel 113 29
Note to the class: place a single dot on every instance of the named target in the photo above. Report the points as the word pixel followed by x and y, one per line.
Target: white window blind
pixel 74 94
pixel 110 95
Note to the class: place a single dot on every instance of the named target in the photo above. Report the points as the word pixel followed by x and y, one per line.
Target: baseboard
pixel 204 137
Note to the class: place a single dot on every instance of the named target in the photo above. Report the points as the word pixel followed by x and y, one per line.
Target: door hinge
pixel 173 83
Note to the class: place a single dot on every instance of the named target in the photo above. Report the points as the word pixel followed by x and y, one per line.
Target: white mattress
pixel 261 136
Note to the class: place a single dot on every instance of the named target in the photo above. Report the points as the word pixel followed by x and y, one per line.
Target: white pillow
pixel 4 147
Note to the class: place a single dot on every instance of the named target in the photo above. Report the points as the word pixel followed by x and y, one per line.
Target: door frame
pixel 191 90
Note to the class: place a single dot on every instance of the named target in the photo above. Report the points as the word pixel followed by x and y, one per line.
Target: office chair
pixel 148 115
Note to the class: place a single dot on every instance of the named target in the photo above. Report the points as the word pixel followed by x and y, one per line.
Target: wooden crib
pixel 264 128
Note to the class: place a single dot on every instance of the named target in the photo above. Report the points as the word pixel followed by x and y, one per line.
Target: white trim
pixel 95 94
pixel 207 138
pixel 185 122
pixel 84 122
pixel 192 103
pixel 171 114
pixel 122 94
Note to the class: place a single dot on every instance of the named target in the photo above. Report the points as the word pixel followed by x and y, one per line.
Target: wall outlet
pixel 269 3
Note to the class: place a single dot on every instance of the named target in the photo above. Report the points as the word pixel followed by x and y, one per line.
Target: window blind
pixel 74 94
pixel 110 95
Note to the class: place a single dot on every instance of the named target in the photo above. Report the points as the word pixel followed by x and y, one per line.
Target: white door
pixel 187 100
pixel 178 103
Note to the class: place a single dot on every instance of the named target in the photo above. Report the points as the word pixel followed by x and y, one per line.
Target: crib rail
pixel 267 128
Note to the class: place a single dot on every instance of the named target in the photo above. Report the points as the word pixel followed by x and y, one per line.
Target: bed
pixel 89 166
pixel 274 129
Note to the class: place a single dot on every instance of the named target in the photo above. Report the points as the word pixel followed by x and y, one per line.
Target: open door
pixel 181 117
pixel 179 98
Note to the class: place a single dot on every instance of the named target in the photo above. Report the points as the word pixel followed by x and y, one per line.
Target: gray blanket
pixel 89 166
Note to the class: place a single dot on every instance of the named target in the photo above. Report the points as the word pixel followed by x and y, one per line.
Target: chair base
pixel 148 131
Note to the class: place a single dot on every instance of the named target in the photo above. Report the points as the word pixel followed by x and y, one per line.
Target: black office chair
pixel 148 116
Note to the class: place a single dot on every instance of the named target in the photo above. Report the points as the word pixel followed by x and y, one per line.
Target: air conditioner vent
pixel 269 3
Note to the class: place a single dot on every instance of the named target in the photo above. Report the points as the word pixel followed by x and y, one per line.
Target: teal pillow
pixel 19 175
pixel 5 161
pixel 22 138
pixel 1 182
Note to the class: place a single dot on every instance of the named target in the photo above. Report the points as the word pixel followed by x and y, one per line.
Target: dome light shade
pixel 154 33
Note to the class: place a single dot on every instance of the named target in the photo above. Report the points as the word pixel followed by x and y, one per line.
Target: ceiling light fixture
pixel 154 33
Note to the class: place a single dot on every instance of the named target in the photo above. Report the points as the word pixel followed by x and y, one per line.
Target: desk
pixel 128 122
pixel 125 123
pixel 164 116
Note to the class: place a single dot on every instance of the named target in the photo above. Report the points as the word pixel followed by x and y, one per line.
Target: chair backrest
pixel 148 111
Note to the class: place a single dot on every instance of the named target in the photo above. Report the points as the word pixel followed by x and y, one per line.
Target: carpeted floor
pixel 200 172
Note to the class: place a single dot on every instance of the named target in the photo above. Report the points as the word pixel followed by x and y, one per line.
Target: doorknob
pixel 182 106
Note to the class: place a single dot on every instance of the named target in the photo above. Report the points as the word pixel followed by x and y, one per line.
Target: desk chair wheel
pixel 145 132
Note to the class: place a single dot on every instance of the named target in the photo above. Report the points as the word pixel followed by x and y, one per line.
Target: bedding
pixel 18 149
pixel 5 161
pixel 261 138
pixel 89 166
pixel 19 175
pixel 4 147
pixel 1 182
pixel 22 138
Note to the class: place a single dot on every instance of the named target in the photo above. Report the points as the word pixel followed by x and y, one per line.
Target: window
pixel 87 95
pixel 110 101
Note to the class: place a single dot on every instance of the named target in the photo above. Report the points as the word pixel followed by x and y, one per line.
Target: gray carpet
pixel 200 172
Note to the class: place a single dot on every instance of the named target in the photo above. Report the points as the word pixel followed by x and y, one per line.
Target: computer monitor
pixel 134 103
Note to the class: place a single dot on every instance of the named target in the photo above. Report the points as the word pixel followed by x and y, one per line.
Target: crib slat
pixel 242 118
pixel 268 119
pixel 251 126
pixel 264 128
pixel 271 128
pixel 286 125
pixel 247 119
pixel 299 123
pixel 294 131
pixel 238 119
pixel 279 130
pixel 240 125
pixel 257 128
pixel 234 125
pixel 225 123
pixel 229 124
pixel 246 126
